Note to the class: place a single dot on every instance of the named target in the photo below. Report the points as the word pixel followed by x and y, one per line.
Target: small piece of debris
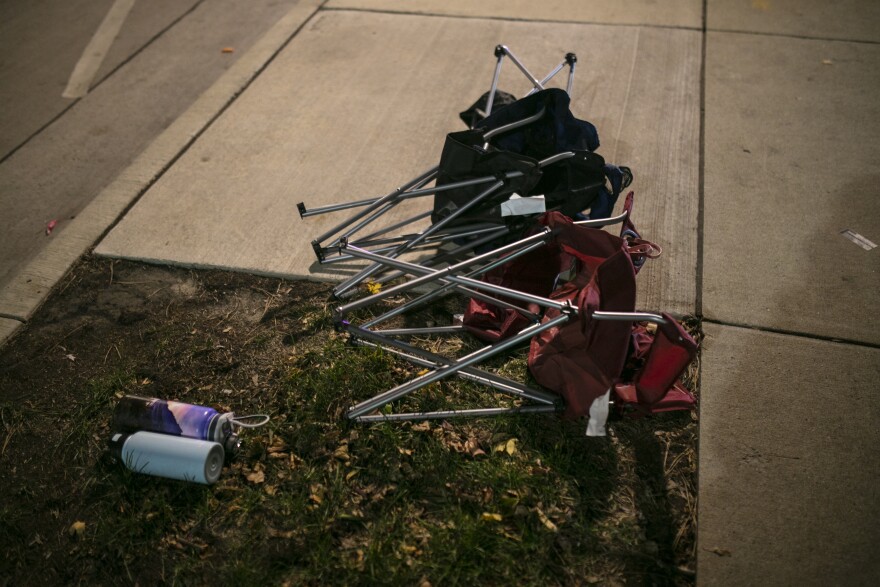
pixel 227 50
pixel 50 226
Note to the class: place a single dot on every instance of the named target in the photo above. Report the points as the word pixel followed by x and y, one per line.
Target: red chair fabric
pixel 584 358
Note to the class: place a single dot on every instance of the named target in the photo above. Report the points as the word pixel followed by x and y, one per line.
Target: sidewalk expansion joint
pixel 506 18
pixel 701 170
pixel 794 36
pixel 794 333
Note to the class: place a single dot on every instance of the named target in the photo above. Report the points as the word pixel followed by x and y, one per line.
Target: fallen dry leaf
pixel 487 494
pixel 256 477
pixel 719 551
pixel 273 533
pixel 508 446
pixel 546 521
pixel 478 452
pixel 341 453
pixel 77 529
pixel 316 494
pixel 472 447
pixel 490 517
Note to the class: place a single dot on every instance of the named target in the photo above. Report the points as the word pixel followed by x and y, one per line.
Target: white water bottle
pixel 173 457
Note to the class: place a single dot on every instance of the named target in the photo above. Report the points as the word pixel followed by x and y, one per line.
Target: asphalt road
pixel 57 153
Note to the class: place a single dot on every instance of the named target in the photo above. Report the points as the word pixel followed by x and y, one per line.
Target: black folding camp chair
pixel 479 203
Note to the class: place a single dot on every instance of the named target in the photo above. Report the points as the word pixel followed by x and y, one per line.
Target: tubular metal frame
pixel 342 289
pixel 442 367
pixel 502 51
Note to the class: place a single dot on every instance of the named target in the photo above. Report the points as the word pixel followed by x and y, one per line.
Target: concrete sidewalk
pixel 752 130
pixel 789 474
pixel 399 82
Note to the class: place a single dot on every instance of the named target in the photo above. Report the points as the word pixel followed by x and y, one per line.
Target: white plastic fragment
pixel 598 415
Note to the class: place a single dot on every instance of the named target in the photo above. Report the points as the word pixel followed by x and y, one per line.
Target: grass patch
pixel 312 499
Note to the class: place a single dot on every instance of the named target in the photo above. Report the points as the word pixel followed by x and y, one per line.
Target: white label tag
pixel 598 415
pixel 519 206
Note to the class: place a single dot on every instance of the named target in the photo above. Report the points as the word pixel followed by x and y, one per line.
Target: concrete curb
pixel 8 327
pixel 27 290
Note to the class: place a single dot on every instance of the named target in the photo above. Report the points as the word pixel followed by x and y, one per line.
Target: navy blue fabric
pixel 619 178
pixel 473 115
pixel 615 178
pixel 569 186
pixel 603 205
pixel 557 131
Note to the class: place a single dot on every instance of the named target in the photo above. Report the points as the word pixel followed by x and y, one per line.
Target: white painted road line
pixel 93 56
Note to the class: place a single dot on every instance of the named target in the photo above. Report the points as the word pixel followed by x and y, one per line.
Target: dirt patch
pixel 312 499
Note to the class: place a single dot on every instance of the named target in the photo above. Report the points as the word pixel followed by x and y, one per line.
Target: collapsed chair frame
pixel 440 367
pixel 383 247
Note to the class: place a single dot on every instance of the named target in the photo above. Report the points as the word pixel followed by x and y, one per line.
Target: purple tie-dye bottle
pixel 135 413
